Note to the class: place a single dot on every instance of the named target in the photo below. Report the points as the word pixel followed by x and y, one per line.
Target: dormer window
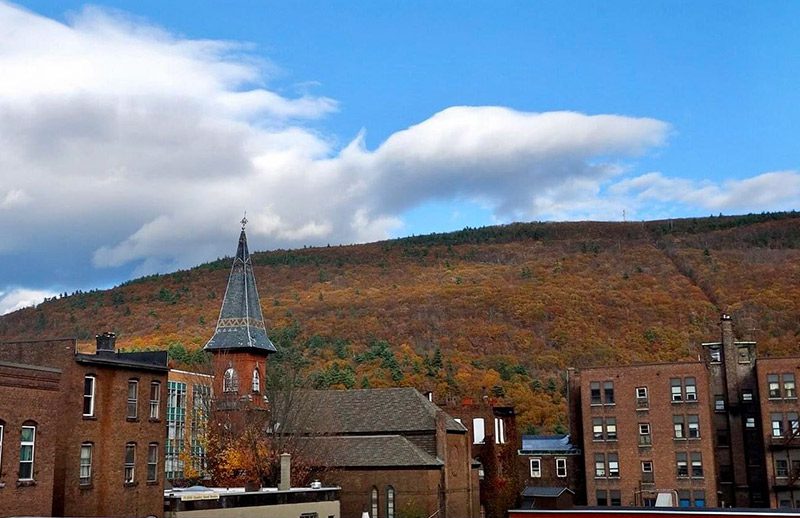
pixel 230 381
pixel 256 381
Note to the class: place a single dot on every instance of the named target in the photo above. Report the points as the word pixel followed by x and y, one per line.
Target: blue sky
pixel 138 132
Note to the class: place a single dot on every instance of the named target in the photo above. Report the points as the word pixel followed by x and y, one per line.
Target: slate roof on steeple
pixel 241 325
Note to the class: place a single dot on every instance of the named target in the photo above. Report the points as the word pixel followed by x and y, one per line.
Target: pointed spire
pixel 241 324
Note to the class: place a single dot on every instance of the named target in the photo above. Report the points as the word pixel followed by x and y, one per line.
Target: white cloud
pixel 21 298
pixel 140 147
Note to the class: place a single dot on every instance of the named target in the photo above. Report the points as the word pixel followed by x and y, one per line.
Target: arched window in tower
pixel 256 381
pixel 230 381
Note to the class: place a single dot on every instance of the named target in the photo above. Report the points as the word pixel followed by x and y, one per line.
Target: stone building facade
pixel 106 428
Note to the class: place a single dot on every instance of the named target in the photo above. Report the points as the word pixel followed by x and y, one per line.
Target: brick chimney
pixel 106 342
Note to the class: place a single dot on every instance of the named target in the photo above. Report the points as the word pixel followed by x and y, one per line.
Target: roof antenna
pixel 244 220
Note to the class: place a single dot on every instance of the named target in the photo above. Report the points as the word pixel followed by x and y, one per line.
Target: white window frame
pixel 647 466
pixel 129 475
pixel 230 380
pixel 750 422
pixel 91 394
pixel 690 389
pixel 32 445
pixel 152 462
pixel 155 403
pixel 478 430
pixel 374 501
pixel 613 465
pixel 256 384
pixel 85 464
pixel 693 426
pixel 132 410
pixel 777 425
pixel 789 385
pixel 536 467
pixel 561 467
pixel 390 503
pixel 676 390
pixel 499 431
pixel 611 428
pixel 645 431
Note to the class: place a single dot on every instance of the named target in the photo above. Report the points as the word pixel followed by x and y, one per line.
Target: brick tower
pixel 240 344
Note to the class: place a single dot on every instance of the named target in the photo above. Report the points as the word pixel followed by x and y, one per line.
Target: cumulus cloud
pixel 19 298
pixel 127 146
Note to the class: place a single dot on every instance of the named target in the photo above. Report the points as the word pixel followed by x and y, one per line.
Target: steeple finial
pixel 244 220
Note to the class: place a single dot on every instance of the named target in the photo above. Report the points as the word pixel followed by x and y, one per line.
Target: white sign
pixel 200 496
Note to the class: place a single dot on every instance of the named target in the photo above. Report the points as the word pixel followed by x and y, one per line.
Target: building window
pixel 561 467
pixel 693 426
pixel 611 428
pixel 597 428
pixel 499 431
pixel 152 462
pixel 690 389
pixel 2 428
pixel 613 465
pixel 536 468
pixel 773 386
pixel 697 465
pixel 390 502
pixel 747 395
pixel 781 468
pixel 373 502
pixel 130 463
pixel 256 381
pixel 678 427
pixel 594 391
pixel 133 398
pixel 602 497
pixel 719 403
pixel 743 354
pixel 478 430
pixel 230 381
pixel 777 425
pixel 88 395
pixel 699 498
pixel 155 399
pixel 682 464
pixel 642 400
pixel 599 465
pixel 27 446
pixel 684 498
pixel 750 422
pixel 645 439
pixel 86 464
pixel 615 498
pixel 794 424
pixel 176 429
pixel 789 390
pixel 675 389
pixel 647 471
pixel 714 354
pixel 608 392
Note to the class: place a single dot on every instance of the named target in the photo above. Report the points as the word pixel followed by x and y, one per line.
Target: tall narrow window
pixel 390 502
pixel 697 465
pixel 374 502
pixel 641 398
pixel 536 468
pixel 597 429
pixel 155 399
pixel 86 464
pixel 152 462
pixel 611 428
pixel 682 464
pixel 678 427
pixel 2 427
pixel 773 386
pixel 594 393
pixel 499 431
pixel 789 390
pixel 478 430
pixel 88 395
pixel 693 425
pixel 794 424
pixel 130 463
pixel 781 468
pixel 645 439
pixel 256 381
pixel 647 471
pixel 230 381
pixel 599 465
pixel 777 425
pixel 27 445
pixel 613 465
pixel 561 467
pixel 675 389
pixel 133 398
pixel 690 388
pixel 608 392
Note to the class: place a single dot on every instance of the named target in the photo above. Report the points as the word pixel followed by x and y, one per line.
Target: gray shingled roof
pixel 372 411
pixel 547 443
pixel 241 324
pixel 369 451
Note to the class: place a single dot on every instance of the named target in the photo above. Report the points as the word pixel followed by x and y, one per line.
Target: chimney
pixel 727 330
pixel 106 342
pixel 286 472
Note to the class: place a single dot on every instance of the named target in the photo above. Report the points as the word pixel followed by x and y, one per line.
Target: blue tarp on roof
pixel 547 443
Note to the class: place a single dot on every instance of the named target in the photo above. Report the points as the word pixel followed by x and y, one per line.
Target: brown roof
pixel 373 411
pixel 369 451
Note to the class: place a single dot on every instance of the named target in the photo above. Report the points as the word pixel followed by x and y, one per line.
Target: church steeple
pixel 241 325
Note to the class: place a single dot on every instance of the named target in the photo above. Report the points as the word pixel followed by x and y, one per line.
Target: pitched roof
pixel 547 443
pixel 369 451
pixel 241 324
pixel 545 492
pixel 372 411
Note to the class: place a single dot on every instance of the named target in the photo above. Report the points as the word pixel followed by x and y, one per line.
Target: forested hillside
pixel 498 310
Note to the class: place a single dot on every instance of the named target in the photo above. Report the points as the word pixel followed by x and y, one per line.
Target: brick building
pixel 722 431
pixel 552 472
pixel 104 425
